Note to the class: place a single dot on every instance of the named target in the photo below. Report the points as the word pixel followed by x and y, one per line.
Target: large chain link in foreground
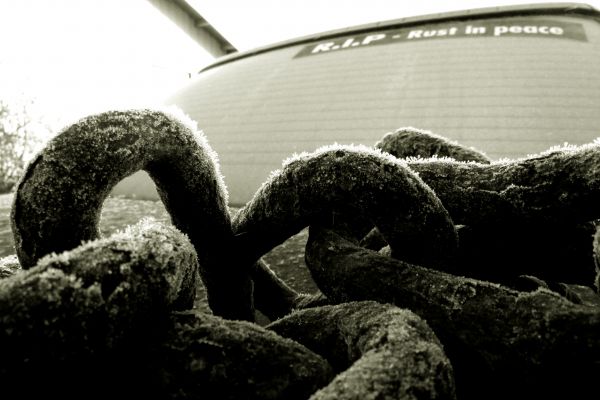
pixel 93 317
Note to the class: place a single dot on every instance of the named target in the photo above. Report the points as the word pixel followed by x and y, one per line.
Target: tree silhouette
pixel 19 138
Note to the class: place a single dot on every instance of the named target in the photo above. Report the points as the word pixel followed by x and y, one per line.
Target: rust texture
pixel 441 274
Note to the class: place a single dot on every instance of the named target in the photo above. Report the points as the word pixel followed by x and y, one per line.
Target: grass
pixel 6 240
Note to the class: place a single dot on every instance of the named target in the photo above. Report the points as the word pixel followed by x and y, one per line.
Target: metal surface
pixel 192 23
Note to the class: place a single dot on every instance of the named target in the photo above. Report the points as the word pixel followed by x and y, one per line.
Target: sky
pixel 76 57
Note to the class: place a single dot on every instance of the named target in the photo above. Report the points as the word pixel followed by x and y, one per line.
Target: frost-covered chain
pixel 66 317
pixel 539 341
pixel 529 216
pixel 59 199
pixel 92 312
pixel 411 142
pixel 337 180
pixel 377 350
pixel 338 185
pixel 437 204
